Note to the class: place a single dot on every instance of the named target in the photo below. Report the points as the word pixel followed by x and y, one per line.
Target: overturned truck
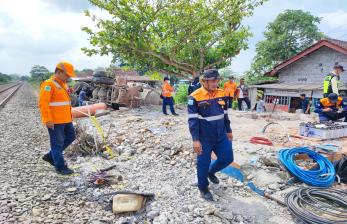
pixel 116 92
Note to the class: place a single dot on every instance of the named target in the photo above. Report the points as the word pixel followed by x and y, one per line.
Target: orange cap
pixel 67 68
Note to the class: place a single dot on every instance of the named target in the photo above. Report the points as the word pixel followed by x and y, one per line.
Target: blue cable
pixel 324 176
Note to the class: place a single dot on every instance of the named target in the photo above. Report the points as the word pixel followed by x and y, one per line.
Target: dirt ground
pixel 154 155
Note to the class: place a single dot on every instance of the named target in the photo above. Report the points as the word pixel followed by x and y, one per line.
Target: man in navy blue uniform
pixel 209 126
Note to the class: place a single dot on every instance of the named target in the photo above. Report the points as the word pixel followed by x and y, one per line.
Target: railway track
pixel 7 91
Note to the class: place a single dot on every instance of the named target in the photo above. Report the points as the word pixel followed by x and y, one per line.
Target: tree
pixel 225 73
pixel 154 75
pixel 24 78
pixel 4 78
pixel 290 33
pixel 175 37
pixel 39 73
pixel 14 76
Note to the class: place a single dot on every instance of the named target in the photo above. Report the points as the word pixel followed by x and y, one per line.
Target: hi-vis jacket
pixel 54 102
pixel 325 103
pixel 167 89
pixel 331 84
pixel 230 89
pixel 207 116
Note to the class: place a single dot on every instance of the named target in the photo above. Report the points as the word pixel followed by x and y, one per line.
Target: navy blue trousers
pixel 168 101
pixel 60 138
pixel 225 156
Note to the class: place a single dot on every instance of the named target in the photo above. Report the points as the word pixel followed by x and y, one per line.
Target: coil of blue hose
pixel 323 176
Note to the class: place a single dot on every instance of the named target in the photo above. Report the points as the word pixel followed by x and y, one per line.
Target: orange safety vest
pixel 327 104
pixel 230 88
pixel 167 89
pixel 54 102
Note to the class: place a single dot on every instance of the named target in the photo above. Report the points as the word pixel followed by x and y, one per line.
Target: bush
pixel 234 105
pixel 5 78
pixel 153 75
pixel 181 94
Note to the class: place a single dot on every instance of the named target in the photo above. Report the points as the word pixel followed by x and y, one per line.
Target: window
pixel 281 100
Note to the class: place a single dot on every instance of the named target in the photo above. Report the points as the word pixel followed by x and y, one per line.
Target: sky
pixel 46 31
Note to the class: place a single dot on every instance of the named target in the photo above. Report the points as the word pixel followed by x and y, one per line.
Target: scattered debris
pixel 71 189
pixel 102 178
pixel 285 132
pixel 129 201
pixel 260 140
pixel 84 143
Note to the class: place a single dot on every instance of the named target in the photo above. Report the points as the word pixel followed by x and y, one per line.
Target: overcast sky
pixel 46 31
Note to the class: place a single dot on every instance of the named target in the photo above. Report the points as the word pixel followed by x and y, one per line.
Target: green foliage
pixel 225 73
pixel 180 38
pixel 71 83
pixel 290 33
pixel 12 77
pixel 153 75
pixel 252 79
pixel 181 95
pixel 24 78
pixel 5 78
pixel 234 105
pixel 39 73
pixel 221 83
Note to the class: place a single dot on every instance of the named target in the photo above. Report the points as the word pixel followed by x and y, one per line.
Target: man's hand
pixel 327 110
pixel 197 147
pixel 230 136
pixel 50 124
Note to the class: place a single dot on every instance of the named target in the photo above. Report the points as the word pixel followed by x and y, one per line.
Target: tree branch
pixel 221 60
pixel 170 72
pixel 201 61
pixel 164 59
pixel 152 17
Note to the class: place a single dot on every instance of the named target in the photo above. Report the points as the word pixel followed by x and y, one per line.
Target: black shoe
pixel 65 171
pixel 206 194
pixel 166 113
pixel 175 114
pixel 47 157
pixel 213 178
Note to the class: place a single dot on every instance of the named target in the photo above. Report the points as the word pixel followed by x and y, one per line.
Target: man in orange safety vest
pixel 55 108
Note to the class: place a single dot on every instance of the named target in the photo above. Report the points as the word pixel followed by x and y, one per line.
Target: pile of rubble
pixel 155 156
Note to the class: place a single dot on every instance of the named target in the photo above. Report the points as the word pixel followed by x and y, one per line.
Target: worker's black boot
pixel 206 194
pixel 175 114
pixel 65 171
pixel 47 157
pixel 213 178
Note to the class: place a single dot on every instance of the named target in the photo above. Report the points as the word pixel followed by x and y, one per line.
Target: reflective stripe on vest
pixel 211 118
pixel 56 84
pixel 193 116
pixel 57 104
pixel 62 103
